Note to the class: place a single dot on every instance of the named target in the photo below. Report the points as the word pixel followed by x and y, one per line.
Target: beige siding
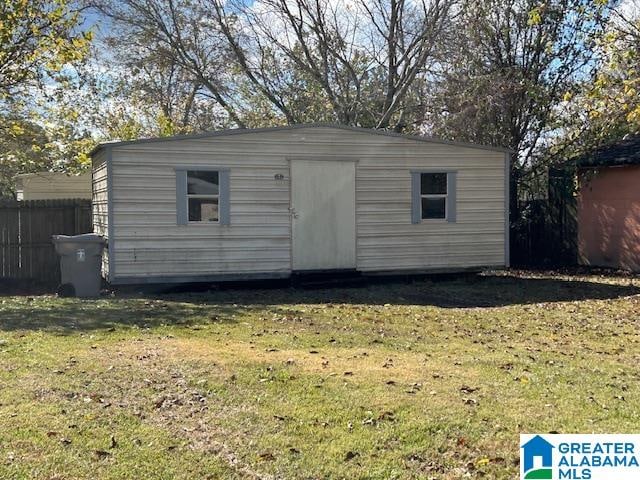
pixel 149 242
pixel 53 186
pixel 387 240
pixel 100 203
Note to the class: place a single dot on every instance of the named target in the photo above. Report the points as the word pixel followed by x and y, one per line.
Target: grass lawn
pixel 422 380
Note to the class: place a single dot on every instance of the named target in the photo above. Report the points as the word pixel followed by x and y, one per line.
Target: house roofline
pixel 241 131
pixel 47 174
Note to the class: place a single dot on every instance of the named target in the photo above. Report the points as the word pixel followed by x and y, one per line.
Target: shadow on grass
pixel 220 305
pixel 446 292
pixel 67 315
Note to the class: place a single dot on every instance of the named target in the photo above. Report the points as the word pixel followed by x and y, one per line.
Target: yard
pixel 433 379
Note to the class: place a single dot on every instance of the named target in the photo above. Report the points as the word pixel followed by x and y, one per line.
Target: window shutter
pixel 182 208
pixel 452 188
pixel 223 202
pixel 416 208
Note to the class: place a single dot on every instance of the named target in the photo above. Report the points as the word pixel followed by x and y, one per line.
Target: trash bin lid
pixel 82 238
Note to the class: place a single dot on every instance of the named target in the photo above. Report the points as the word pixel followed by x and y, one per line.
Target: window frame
pixel 182 197
pixel 451 206
pixel 435 196
pixel 200 195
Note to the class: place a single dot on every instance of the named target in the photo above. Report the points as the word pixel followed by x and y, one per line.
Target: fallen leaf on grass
pixel 414 457
pixel 414 388
pixel 101 454
pixel 467 389
pixel 390 416
pixel 350 455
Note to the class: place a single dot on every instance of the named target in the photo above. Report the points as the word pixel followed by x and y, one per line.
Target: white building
pixel 52 186
pixel 248 204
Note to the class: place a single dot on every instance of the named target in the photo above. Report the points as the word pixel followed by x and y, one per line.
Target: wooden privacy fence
pixel 26 251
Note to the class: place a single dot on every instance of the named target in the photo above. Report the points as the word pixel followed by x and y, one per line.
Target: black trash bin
pixel 81 262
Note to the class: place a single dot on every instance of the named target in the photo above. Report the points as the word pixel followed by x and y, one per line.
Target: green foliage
pixel 605 107
pixel 612 98
pixel 38 38
pixel 23 149
pixel 40 43
pixel 46 140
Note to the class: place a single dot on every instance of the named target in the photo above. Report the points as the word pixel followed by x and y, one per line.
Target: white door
pixel 323 207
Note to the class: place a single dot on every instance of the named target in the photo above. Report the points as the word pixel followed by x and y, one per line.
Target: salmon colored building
pixel 609 206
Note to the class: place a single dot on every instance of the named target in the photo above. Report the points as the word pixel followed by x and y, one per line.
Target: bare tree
pixel 352 62
pixel 347 49
pixel 181 35
pixel 166 95
pixel 510 66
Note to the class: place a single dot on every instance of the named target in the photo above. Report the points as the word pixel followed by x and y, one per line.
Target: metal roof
pixel 242 131
pixel 621 152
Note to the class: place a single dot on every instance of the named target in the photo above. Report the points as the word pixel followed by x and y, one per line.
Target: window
pixel 433 195
pixel 203 195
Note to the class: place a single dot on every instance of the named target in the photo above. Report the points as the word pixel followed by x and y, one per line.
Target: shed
pixel 52 186
pixel 266 203
pixel 609 206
